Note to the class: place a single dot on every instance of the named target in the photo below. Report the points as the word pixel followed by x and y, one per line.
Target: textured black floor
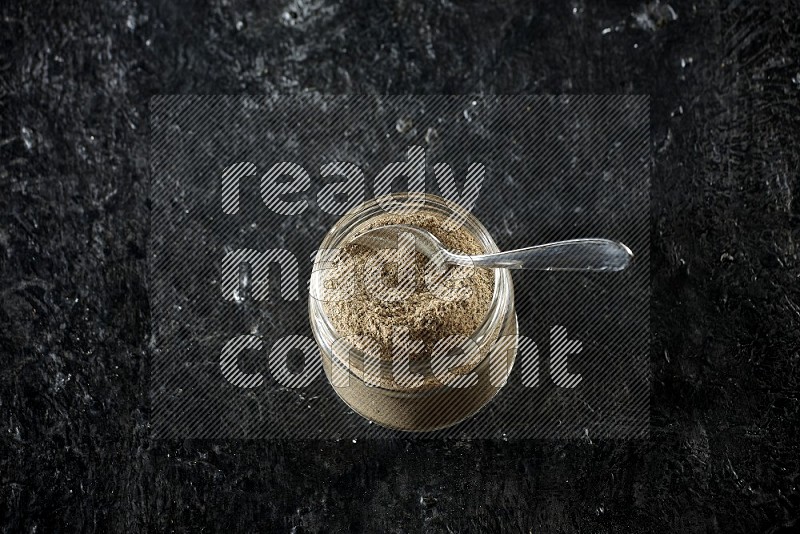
pixel 724 78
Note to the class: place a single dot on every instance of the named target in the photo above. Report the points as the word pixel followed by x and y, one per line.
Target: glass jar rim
pixel 502 292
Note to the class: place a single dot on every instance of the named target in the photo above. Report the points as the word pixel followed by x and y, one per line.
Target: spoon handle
pixel 572 255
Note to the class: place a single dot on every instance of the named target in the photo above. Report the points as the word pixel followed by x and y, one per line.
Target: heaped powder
pixel 427 317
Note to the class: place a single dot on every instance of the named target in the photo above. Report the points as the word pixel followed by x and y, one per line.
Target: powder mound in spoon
pixel 354 308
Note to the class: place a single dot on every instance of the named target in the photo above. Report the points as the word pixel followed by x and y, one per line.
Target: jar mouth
pixel 352 221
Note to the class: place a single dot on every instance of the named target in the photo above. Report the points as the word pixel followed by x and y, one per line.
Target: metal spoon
pixel 571 255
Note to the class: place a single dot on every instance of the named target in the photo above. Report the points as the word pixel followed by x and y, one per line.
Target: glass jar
pixel 430 407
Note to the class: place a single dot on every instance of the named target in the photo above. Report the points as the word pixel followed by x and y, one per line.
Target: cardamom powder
pixel 354 310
